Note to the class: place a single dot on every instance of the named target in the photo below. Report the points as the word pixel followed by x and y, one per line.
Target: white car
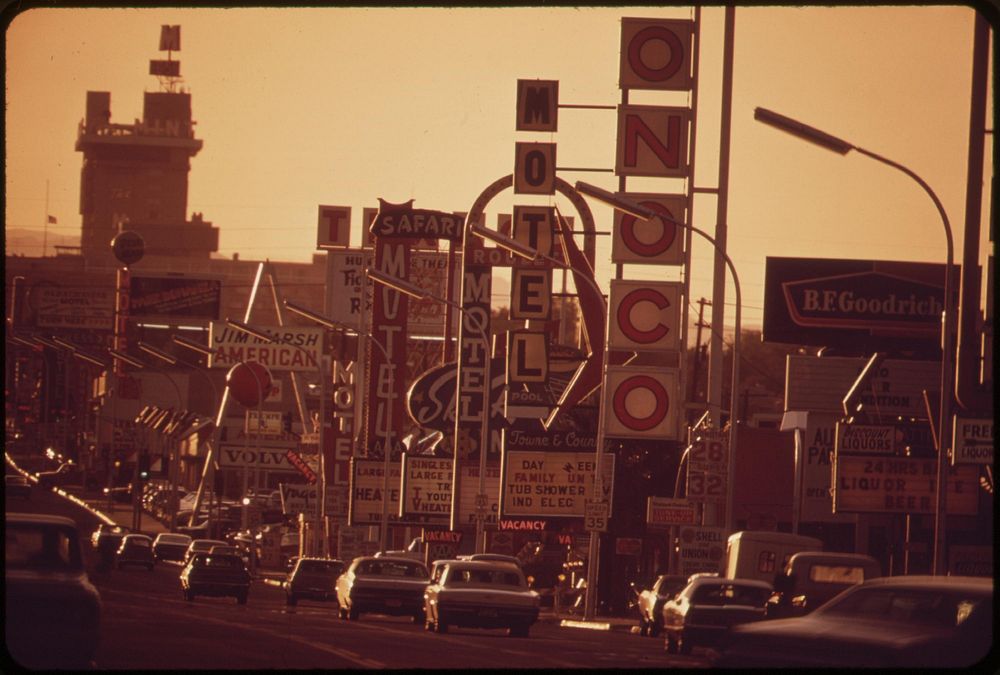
pixel 481 594
pixel 382 585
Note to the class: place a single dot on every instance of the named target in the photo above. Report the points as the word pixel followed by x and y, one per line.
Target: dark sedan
pixel 170 546
pixel 313 579
pixel 889 622
pixel 52 611
pixel 383 585
pixel 135 549
pixel 215 575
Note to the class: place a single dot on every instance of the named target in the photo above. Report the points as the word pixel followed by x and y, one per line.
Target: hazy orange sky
pixel 299 107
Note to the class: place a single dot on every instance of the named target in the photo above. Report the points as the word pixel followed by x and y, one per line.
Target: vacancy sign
pixel 645 315
pixel 656 54
pixel 641 403
pixel 334 227
pixel 657 241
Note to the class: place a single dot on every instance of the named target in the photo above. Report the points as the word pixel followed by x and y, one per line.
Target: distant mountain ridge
pixel 22 241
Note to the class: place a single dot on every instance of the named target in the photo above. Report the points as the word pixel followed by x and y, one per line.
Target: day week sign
pixel 548 484
pixel 299 348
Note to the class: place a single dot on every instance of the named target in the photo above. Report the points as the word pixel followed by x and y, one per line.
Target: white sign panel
pixel 367 488
pixel 973 441
pixel 265 458
pixel 866 439
pixel 645 315
pixel 641 402
pixel 426 488
pixel 68 307
pixel 551 484
pixel 428 270
pixel 817 470
pixel 334 227
pixel 665 511
pixel 702 549
pixel 656 54
pixel 465 515
pixel 657 241
pixel 268 423
pixel 299 350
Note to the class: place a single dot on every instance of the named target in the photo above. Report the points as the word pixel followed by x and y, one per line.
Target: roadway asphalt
pixel 121 514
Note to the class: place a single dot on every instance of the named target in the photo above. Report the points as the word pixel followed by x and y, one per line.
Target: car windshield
pixel 219 561
pixel 326 567
pixel 910 606
pixel 487 577
pixel 51 548
pixel 137 541
pixel 391 568
pixel 730 594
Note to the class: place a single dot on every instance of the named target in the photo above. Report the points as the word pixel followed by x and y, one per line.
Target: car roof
pixel 390 558
pixel 723 581
pixel 932 582
pixel 138 536
pixel 832 556
pixel 481 564
pixel 40 519
pixel 174 535
pixel 213 542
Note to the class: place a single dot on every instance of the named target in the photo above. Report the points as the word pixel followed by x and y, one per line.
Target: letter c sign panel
pixel 641 403
pixel 645 315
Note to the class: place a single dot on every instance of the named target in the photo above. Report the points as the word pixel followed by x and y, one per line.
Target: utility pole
pixel 698 353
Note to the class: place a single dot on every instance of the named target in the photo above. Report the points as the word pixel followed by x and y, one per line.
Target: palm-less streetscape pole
pixel 320 536
pixel 140 365
pixel 414 291
pixel 174 361
pixel 842 147
pixel 335 325
pixel 644 213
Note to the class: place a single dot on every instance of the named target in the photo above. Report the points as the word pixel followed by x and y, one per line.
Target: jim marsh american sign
pixel 867 304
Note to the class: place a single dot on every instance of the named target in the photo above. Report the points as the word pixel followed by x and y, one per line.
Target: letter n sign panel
pixel 655 241
pixel 656 54
pixel 645 315
pixel 641 403
pixel 652 141
pixel 334 227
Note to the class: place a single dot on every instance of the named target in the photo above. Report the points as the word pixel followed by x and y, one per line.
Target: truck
pixel 763 555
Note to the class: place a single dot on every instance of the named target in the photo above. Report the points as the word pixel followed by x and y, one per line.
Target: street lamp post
pixel 842 147
pixel 335 325
pixel 413 291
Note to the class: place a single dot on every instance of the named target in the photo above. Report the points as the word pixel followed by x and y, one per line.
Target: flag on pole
pixel 52 220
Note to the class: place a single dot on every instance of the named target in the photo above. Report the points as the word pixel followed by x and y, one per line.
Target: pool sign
pixel 641 403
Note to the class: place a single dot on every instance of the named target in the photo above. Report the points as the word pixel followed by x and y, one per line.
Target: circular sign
pixel 651 391
pixel 249 382
pixel 128 247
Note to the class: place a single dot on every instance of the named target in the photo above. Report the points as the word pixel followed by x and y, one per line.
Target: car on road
pixel 313 579
pixel 16 485
pixel 812 577
pixel 201 546
pixel 650 602
pixel 135 549
pixel 481 594
pixel 215 575
pixel 52 610
pixel 170 546
pixel 382 585
pixel 105 540
pixel 68 473
pixel 702 613
pixel 888 622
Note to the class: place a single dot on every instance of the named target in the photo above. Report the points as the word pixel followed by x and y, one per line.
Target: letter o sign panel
pixel 641 403
pixel 645 315
pixel 657 241
pixel 656 54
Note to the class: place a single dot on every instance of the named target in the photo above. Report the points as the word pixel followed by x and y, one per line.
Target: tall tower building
pixel 135 176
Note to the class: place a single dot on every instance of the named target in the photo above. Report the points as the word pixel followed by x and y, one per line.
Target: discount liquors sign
pixel 973 442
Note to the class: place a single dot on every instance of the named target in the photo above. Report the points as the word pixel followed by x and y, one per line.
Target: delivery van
pixel 762 555
pixel 812 577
